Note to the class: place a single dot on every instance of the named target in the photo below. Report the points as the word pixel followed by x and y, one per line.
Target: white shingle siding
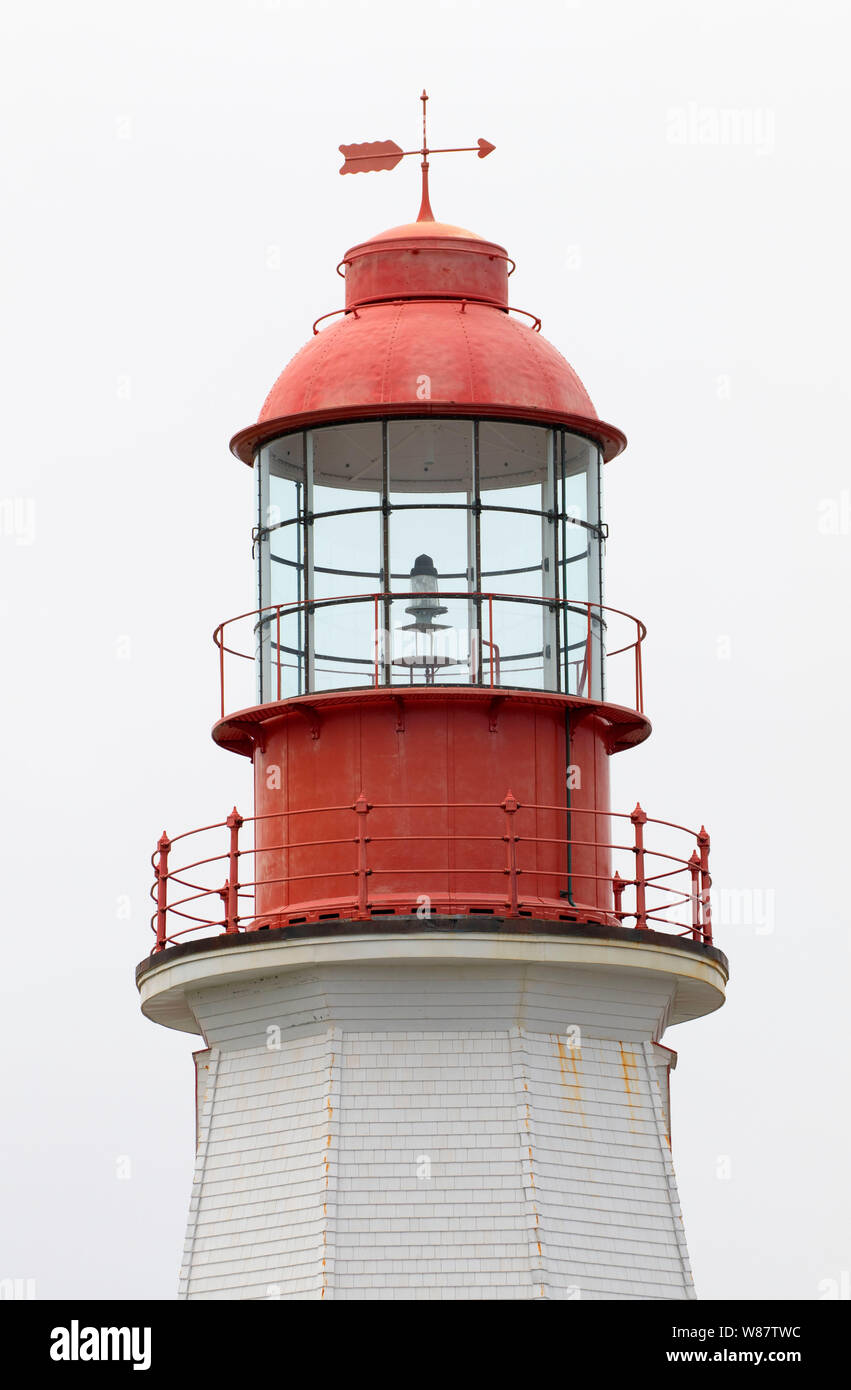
pixel 550 1169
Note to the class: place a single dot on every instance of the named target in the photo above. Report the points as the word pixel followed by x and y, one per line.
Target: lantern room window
pixel 429 551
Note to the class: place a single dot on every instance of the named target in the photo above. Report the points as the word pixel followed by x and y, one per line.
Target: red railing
pixel 589 646
pixel 671 893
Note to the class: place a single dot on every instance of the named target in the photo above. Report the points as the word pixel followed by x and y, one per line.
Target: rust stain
pixel 629 1067
pixel 527 1121
pixel 570 1078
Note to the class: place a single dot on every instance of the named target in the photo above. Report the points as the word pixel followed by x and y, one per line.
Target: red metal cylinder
pixel 377 802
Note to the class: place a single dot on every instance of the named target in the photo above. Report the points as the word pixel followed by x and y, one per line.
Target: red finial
pixel 425 213
pixel 386 154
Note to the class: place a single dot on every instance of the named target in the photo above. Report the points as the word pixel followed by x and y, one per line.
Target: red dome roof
pixel 427 330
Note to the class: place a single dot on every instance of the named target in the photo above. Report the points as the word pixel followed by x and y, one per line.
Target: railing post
pixel 377 643
pixel 490 638
pixel 161 870
pixel 278 644
pixel 705 883
pixel 694 870
pixel 618 885
pixel 234 822
pixel 362 808
pixel 639 820
pixel 588 657
pixel 510 806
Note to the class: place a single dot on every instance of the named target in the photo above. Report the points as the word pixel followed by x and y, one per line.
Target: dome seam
pixel 389 353
pixel 460 320
pixel 320 358
pixel 542 370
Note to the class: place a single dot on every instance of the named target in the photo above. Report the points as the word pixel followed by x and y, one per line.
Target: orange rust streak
pixel 630 1079
pixel 570 1078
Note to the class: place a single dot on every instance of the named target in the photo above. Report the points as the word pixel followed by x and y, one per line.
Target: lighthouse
pixel 429 972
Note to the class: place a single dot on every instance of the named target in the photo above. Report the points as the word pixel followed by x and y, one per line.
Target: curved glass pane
pixel 431 552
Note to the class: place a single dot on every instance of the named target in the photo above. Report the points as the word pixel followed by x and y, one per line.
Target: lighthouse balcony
pixel 371 865
pixel 420 636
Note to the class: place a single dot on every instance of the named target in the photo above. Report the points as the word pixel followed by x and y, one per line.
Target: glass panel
pixel 432 558
pixel 346 460
pixel 344 471
pixel 346 555
pixel 281 503
pixel 513 563
pixel 281 633
pixel 511 456
pixel 579 566
pixel 518 652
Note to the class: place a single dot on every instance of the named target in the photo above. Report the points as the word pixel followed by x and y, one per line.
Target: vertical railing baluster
pixel 278 644
pixel 639 820
pixel 588 657
pixel 510 806
pixel 234 823
pixel 163 846
pixel 705 884
pixel 362 809
pixel 618 885
pixel 694 870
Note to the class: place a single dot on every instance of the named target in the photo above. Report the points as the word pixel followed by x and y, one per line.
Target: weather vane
pixel 386 154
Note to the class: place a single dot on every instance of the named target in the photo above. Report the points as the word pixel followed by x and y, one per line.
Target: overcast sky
pixel 671 179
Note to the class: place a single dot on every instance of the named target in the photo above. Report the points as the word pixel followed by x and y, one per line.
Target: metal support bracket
pixel 493 712
pixel 400 713
pixel 311 714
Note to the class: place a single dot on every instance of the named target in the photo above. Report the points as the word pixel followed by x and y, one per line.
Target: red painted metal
pixel 368 857
pixel 694 871
pixel 639 820
pixel 705 881
pixel 231 899
pixel 618 885
pixel 161 869
pixel 353 310
pixel 476 357
pixel 371 156
pixel 362 809
pixel 510 808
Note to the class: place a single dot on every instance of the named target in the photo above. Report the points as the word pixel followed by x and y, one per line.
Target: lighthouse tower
pixel 432 971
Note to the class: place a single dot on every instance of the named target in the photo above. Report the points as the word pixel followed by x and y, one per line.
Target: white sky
pixel 159 161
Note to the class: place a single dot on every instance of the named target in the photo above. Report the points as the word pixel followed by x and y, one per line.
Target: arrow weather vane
pixel 386 154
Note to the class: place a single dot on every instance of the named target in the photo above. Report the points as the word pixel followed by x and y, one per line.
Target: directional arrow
pixel 365 158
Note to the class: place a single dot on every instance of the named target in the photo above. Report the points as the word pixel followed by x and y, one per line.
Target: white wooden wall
pixel 417 1131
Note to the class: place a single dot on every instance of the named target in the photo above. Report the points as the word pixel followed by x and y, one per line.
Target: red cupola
pixel 427 326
